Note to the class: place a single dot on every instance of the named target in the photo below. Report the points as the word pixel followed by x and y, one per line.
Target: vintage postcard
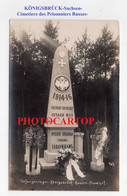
pixel 64 105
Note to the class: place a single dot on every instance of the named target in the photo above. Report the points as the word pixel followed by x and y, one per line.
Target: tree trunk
pixel 105 108
pixel 30 161
pixel 105 111
pixel 36 158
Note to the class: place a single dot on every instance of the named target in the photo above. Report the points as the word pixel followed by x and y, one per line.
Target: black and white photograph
pixel 64 105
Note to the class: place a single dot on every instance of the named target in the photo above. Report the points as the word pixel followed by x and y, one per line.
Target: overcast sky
pixel 71 29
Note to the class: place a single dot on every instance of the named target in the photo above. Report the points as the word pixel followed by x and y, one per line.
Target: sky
pixel 70 29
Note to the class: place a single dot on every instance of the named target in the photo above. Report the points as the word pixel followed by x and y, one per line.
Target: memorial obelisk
pixel 60 134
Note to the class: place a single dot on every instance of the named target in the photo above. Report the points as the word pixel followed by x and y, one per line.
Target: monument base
pixel 50 156
pixel 96 167
pixel 34 171
pixel 45 165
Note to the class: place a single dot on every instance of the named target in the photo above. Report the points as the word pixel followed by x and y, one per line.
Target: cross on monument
pixel 62 63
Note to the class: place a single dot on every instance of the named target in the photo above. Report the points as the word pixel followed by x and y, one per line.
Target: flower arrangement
pixel 100 137
pixel 34 136
pixel 65 158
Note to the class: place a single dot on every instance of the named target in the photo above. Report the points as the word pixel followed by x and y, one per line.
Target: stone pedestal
pixel 97 164
pixel 34 171
pixel 58 138
pixel 78 143
pixel 50 156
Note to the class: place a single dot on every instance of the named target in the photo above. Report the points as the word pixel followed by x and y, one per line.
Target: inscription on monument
pixel 61 139
pixel 56 147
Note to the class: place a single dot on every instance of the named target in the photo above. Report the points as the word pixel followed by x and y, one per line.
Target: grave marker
pixel 60 105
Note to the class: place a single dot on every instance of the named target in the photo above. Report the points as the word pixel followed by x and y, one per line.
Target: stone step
pixel 45 165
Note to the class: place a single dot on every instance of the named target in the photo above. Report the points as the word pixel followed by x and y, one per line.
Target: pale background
pixel 97 10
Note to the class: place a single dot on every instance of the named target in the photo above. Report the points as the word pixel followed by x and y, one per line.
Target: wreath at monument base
pixel 67 162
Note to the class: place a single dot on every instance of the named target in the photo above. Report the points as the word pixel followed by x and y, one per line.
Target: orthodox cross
pixel 62 63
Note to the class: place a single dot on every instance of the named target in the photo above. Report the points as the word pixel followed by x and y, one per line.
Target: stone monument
pixel 60 134
pixel 97 164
